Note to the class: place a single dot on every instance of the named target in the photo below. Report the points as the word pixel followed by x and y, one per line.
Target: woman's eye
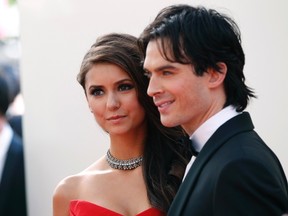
pixel 125 87
pixel 96 92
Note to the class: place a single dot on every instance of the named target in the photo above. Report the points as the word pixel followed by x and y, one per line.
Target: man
pixel 12 78
pixel 12 180
pixel 195 62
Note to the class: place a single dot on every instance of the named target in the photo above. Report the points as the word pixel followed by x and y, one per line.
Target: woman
pixel 143 168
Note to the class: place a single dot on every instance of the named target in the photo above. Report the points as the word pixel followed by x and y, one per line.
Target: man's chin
pixel 168 123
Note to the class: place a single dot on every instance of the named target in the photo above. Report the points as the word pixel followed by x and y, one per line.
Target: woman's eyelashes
pixel 125 87
pixel 98 91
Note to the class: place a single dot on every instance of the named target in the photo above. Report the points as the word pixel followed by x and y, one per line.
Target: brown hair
pixel 166 150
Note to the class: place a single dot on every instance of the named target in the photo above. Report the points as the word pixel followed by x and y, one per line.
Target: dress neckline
pixel 75 202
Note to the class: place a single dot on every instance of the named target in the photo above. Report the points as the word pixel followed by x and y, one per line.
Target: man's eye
pixel 165 73
pixel 147 74
pixel 125 87
pixel 97 92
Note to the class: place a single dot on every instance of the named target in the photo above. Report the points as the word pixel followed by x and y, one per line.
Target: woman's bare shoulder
pixel 65 191
pixel 78 186
pixel 70 186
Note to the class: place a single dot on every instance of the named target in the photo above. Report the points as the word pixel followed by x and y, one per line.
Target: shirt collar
pixel 206 130
pixel 5 140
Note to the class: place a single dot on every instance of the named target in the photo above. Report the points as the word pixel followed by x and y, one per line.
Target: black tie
pixel 193 150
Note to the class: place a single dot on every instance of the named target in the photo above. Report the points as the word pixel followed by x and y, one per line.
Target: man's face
pixel 182 97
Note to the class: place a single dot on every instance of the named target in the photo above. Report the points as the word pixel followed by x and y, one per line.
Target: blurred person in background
pixel 15 109
pixel 12 175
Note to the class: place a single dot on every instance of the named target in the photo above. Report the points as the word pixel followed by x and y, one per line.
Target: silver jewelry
pixel 123 164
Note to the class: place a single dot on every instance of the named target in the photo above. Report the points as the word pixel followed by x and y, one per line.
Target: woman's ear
pixel 90 108
pixel 217 77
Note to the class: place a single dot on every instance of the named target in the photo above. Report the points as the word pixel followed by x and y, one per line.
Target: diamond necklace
pixel 123 164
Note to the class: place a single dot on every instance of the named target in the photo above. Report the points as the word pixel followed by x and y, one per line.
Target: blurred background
pixel 43 42
pixel 10 50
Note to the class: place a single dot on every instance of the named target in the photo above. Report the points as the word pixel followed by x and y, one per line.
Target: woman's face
pixel 112 98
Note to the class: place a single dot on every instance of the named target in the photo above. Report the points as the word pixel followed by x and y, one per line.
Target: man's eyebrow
pixel 146 70
pixel 161 68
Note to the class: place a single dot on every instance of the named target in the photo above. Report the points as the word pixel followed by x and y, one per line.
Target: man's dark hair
pixel 203 38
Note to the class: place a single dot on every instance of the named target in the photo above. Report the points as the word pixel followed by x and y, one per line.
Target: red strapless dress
pixel 84 208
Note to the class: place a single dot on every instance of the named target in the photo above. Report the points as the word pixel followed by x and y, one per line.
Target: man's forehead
pixel 159 47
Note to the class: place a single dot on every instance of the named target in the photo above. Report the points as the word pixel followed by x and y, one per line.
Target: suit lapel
pixel 10 163
pixel 232 127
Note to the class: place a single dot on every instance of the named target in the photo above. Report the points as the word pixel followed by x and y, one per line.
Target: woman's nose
pixel 113 102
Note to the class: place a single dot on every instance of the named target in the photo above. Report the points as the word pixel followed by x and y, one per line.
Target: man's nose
pixel 154 86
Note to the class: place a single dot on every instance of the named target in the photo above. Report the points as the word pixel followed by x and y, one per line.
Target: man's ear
pixel 217 77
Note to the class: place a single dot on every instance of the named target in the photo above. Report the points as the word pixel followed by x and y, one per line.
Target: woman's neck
pixel 127 146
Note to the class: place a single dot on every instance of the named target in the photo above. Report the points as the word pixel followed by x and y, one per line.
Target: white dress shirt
pixel 5 140
pixel 206 130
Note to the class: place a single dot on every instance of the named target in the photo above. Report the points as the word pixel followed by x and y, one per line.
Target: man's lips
pixel 163 104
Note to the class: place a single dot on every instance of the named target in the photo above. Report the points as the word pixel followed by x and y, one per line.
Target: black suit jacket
pixel 15 122
pixel 12 186
pixel 234 174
